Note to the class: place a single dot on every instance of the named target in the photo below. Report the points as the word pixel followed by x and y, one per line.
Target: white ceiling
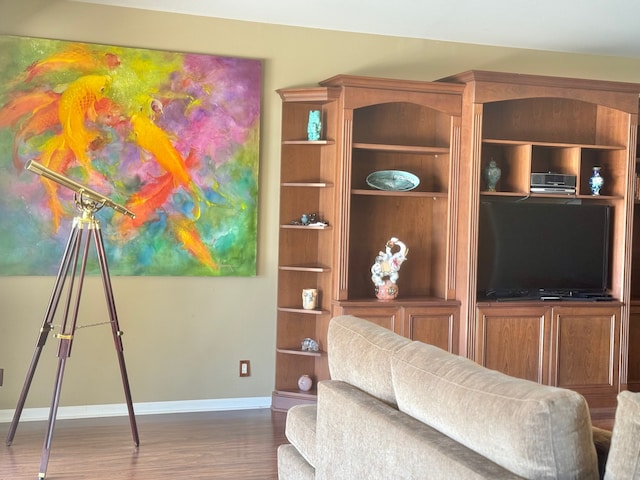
pixel 602 27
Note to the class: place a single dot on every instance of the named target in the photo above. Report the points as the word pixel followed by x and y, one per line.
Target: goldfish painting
pixel 173 136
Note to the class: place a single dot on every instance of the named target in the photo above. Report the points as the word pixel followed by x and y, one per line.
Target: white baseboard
pixel 144 408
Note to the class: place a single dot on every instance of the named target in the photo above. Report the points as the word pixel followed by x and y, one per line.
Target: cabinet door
pixel 514 340
pixel 633 368
pixel 388 317
pixel 437 326
pixel 587 352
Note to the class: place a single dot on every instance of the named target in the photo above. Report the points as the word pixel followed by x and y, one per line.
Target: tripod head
pixel 86 198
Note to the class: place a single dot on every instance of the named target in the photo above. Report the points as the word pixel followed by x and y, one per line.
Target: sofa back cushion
pixel 362 438
pixel 624 454
pixel 532 430
pixel 360 354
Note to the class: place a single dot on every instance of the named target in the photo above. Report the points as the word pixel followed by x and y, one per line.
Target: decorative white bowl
pixel 395 180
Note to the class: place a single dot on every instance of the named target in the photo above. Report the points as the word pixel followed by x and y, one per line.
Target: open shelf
pixel 390 193
pixel 308 142
pixel 302 311
pixel 305 268
pixel 552 144
pixel 401 148
pixel 294 351
pixel 307 184
pixel 306 227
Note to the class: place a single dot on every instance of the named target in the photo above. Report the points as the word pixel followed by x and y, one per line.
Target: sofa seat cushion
pixel 532 430
pixel 360 354
pixel 292 466
pixel 624 454
pixel 300 430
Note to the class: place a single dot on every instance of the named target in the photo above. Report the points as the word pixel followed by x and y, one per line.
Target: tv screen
pixel 543 250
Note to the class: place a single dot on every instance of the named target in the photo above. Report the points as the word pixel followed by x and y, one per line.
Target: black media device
pixel 543 251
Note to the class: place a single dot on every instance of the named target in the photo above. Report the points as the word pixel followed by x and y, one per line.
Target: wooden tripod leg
pixel 115 329
pixel 64 346
pixel 47 326
pixel 46 448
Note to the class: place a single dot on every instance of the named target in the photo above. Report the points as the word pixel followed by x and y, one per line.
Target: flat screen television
pixel 543 251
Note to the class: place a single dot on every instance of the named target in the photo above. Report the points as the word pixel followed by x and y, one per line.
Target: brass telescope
pixel 81 190
pixel 73 269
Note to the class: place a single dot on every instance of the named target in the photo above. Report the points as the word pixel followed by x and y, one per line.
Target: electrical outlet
pixel 245 368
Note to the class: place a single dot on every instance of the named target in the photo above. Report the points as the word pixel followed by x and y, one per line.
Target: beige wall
pixel 184 336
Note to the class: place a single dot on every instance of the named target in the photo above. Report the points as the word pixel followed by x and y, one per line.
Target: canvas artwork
pixel 172 136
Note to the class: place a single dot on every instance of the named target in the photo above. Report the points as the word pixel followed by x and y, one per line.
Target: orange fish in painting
pixel 44 119
pixel 154 140
pixel 25 103
pixel 77 103
pixel 148 200
pixel 57 156
pixel 77 58
pixel 186 233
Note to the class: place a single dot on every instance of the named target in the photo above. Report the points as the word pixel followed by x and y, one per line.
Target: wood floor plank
pixel 210 445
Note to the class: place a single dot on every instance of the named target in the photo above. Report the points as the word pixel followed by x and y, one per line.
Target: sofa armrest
pixel 300 430
pixel 624 454
pixel 602 442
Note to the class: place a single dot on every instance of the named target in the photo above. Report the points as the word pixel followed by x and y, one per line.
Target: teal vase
pixel 491 175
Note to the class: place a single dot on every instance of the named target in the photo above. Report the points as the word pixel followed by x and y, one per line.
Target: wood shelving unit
pixel 396 125
pixel 445 133
pixel 369 125
pixel 531 124
pixel 307 185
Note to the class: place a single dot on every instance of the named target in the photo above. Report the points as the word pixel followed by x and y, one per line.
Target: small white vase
pixel 305 383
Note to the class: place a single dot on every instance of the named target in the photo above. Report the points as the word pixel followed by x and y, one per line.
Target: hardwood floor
pixel 212 445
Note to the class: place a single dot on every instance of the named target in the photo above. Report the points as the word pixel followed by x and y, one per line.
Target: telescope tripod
pixel 77 244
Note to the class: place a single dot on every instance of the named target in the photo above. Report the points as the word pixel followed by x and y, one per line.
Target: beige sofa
pixel 398 409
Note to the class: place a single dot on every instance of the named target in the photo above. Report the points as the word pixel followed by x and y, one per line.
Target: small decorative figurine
pixel 310 220
pixel 385 270
pixel 492 174
pixel 314 126
pixel 310 345
pixel 596 181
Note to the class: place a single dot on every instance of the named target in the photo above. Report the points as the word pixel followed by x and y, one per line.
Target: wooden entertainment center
pixel 446 132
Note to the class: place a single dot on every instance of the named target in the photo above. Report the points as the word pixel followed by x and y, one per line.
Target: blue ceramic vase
pixel 596 181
